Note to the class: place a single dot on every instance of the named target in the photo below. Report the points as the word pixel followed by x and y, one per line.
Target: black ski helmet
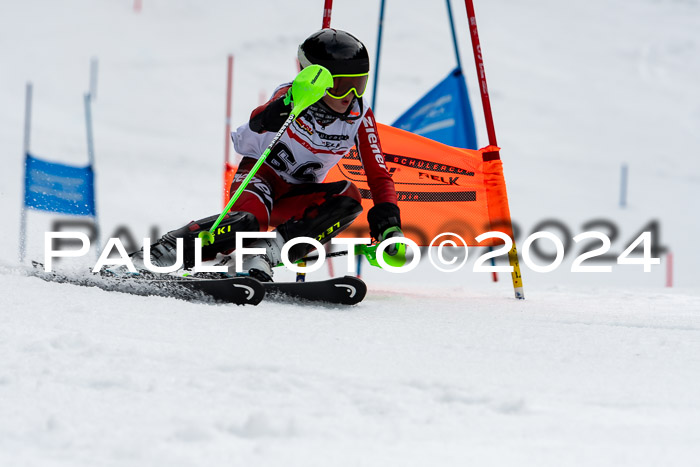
pixel 339 51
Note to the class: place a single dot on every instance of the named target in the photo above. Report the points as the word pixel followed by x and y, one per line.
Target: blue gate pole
pixel 27 134
pixel 93 78
pixel 91 158
pixel 379 47
pixel 454 34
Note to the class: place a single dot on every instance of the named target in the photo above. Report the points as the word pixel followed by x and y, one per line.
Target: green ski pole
pixel 308 87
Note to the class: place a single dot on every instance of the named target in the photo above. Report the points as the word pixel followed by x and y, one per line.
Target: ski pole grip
pixel 309 86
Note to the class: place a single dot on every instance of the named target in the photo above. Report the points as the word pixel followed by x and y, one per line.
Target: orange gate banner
pixel 439 188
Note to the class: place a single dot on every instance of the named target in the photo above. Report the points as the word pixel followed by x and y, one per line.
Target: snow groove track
pixel 172 287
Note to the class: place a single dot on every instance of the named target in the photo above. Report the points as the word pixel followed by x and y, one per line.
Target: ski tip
pixel 354 287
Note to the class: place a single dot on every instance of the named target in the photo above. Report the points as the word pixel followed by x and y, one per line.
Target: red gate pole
pixel 229 87
pixel 479 59
pixel 494 152
pixel 228 169
pixel 327 9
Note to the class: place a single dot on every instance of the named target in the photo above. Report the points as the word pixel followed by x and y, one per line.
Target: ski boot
pixel 259 266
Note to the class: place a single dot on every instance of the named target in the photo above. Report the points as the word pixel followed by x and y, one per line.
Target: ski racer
pixel 288 192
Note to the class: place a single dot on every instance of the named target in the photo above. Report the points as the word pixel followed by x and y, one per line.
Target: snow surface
pixel 432 368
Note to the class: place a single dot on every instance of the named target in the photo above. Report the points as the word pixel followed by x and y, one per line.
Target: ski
pixel 235 290
pixel 347 290
pixel 242 290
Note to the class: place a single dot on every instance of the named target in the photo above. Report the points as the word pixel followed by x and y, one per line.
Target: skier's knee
pixel 353 192
pixel 331 218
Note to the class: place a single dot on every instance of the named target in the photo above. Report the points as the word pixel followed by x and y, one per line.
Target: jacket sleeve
pixel 271 115
pixel 380 183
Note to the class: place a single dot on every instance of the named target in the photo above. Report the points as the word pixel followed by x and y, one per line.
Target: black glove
pixel 381 217
pixel 273 116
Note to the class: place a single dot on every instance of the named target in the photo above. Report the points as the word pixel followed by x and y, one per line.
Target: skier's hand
pixel 309 86
pixel 384 223
pixel 381 217
pixel 289 99
pixel 395 248
pixel 272 117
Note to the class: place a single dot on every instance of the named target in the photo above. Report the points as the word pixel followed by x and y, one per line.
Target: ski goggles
pixel 345 84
